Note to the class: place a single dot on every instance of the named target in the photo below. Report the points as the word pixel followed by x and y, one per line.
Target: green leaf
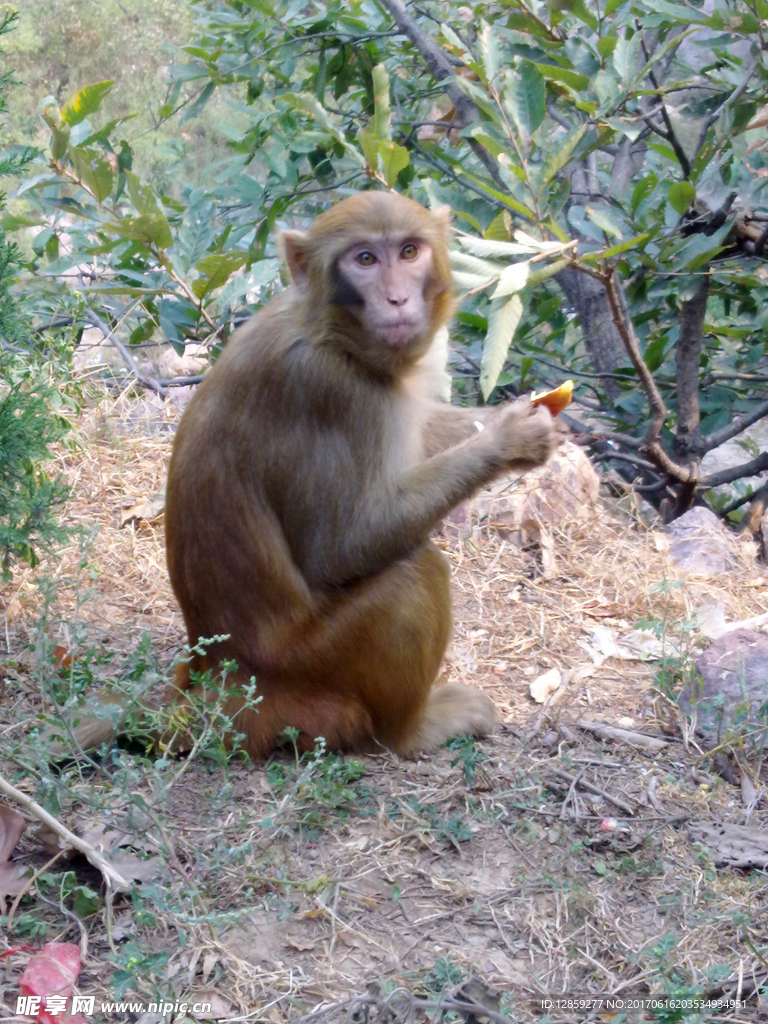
pixel 615 250
pixel 513 279
pixel 562 154
pixel 677 12
pixel 631 130
pixel 485 247
pixel 607 45
pixel 85 102
pixel 501 197
pixel 381 123
pixel 734 21
pixel 499 229
pixel 583 13
pixel 503 319
pixel 642 190
pixel 487 40
pixel 393 159
pixel 369 143
pixel 308 104
pixel 216 270
pixel 606 219
pixel 524 98
pixel 625 58
pixel 681 195
pixel 59 141
pixel 473 265
pixel 152 228
pixel 537 277
pixel 654 354
pixel 452 39
pixel 197 107
pixel 142 196
pixel 570 78
pixel 93 170
pixel 471 282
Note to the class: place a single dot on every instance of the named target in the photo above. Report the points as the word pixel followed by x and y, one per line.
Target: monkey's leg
pixel 365 678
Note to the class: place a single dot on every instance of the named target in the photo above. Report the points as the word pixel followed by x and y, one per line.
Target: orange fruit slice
pixel 555 400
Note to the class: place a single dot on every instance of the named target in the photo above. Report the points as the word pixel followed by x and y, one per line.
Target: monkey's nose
pixel 397 300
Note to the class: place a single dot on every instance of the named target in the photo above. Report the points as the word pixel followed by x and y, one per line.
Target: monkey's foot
pixel 451 710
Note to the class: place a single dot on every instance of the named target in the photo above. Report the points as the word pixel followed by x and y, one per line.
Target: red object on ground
pixel 53 972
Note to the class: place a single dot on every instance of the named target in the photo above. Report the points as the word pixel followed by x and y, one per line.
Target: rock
pixel 566 486
pixel 701 544
pixel 194 361
pixel 94 349
pixel 736 846
pixel 730 689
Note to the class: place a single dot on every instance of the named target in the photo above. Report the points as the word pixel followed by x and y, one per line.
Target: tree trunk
pixel 588 298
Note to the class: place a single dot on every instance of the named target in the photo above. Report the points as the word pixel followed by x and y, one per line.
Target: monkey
pixel 306 476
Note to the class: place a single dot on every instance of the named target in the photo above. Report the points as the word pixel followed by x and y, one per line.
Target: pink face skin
pixel 391 279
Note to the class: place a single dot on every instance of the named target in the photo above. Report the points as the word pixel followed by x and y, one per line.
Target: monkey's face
pixel 385 283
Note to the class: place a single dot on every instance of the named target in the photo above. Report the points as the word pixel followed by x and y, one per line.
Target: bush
pixel 28 498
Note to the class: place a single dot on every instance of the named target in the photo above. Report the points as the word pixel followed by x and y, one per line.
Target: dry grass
pixel 294 888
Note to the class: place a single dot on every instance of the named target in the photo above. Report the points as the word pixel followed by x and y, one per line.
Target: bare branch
pixel 110 873
pixel 669 131
pixel 710 119
pixel 727 476
pixel 130 362
pixel 689 348
pixel 738 424
pixel 651 445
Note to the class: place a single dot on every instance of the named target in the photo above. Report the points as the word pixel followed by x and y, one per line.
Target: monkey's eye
pixel 365 259
pixel 409 252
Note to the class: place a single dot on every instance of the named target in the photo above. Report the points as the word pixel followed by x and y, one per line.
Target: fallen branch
pixel 612 732
pixel 130 362
pixel 111 875
pixel 592 788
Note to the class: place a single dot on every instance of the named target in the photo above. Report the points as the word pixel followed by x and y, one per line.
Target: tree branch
pixel 130 362
pixel 710 119
pixel 689 346
pixel 669 134
pixel 651 445
pixel 727 476
pixel 739 423
pixel 440 65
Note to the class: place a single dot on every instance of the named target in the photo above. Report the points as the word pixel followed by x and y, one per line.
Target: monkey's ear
pixel 442 215
pixel 292 247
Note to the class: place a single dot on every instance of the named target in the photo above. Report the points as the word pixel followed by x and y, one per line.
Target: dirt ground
pixel 538 862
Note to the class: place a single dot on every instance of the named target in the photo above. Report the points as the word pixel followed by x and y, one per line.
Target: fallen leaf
pixel 220 1007
pixel 143 509
pixel 638 645
pixel 12 824
pixel 543 685
pixel 299 943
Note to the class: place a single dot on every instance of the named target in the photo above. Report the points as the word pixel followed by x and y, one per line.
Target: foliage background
pixel 605 163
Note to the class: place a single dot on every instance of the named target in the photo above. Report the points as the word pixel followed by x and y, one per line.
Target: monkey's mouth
pixel 398 333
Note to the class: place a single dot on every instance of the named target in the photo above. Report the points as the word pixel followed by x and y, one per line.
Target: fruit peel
pixel 555 400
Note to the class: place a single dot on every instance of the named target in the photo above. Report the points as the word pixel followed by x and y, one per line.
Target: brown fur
pixel 306 476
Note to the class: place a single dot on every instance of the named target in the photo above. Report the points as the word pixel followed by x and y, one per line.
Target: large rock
pixel 566 486
pixel 730 690
pixel 699 543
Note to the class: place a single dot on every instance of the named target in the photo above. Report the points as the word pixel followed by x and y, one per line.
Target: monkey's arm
pixel 388 525
pixel 449 425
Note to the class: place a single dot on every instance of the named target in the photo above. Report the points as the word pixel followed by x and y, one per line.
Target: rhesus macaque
pixel 307 474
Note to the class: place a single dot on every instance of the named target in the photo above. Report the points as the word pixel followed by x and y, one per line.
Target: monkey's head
pixel 375 267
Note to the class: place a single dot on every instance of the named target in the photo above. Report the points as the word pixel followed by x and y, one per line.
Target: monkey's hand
pixel 526 434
